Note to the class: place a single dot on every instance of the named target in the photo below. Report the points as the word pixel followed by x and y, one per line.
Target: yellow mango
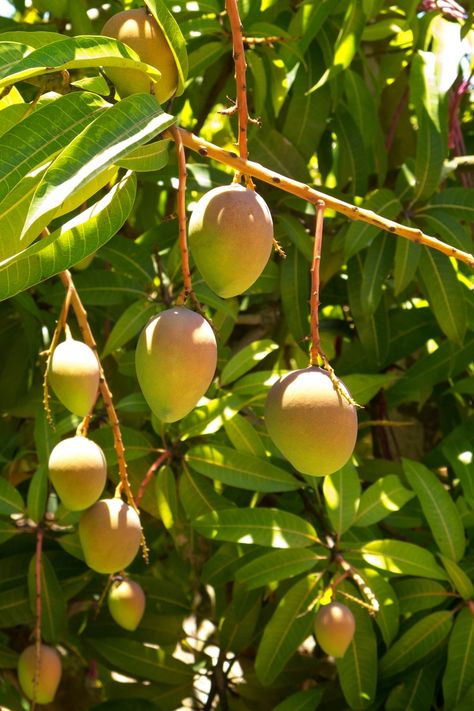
pixel 310 422
pixel 50 669
pixel 110 535
pixel 141 32
pixel 175 360
pixel 126 603
pixel 74 376
pixel 78 471
pixel 334 628
pixel 231 238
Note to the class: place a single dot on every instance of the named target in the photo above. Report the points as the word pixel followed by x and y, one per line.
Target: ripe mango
pixel 175 360
pixel 231 238
pixel 74 376
pixel 110 535
pixel 50 669
pixel 126 603
pixel 78 471
pixel 334 627
pixel 310 422
pixel 141 32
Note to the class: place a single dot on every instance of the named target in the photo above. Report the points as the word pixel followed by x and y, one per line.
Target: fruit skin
pixel 143 34
pixel 175 360
pixel 110 535
pixel 334 627
pixel 231 238
pixel 78 471
pixel 74 376
pixel 126 603
pixel 312 424
pixel 50 669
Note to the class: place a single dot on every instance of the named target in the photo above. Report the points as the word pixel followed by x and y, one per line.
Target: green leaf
pixel 377 265
pixel 137 444
pixel 243 436
pixel 198 496
pixel 240 469
pixel 134 120
pixel 361 234
pixel 402 558
pixel 387 617
pixel 37 493
pixel 289 626
pixel 278 565
pixel 363 386
pixel 15 607
pixel 295 291
pixel 174 37
pixel 53 604
pixel 246 359
pixel 445 293
pixel 263 527
pixel 438 508
pixel 459 579
pixel 417 691
pixel 129 323
pixel 307 700
pixel 456 202
pixel 153 156
pixel 64 247
pixel 416 594
pixel 459 673
pixel 380 499
pixel 417 643
pixel 342 493
pixel 7 531
pixel 351 166
pixel 166 496
pixel 407 258
pixel 8 658
pixel 10 498
pixel 239 619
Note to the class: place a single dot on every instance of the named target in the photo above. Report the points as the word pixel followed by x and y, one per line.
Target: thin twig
pixel 241 84
pixel 183 242
pixel 149 475
pixel 315 282
pixel 352 212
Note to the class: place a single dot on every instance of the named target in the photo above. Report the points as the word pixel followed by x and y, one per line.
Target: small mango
pixel 49 676
pixel 126 603
pixel 175 360
pixel 110 535
pixel 311 422
pixel 231 238
pixel 74 376
pixel 78 471
pixel 334 627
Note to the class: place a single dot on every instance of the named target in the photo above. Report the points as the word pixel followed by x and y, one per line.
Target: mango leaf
pixel 407 258
pixel 417 691
pixel 387 617
pixel 198 496
pixel 174 37
pixel 459 673
pixel 153 156
pixel 7 531
pixel 358 667
pixel 461 582
pixel 445 293
pixel 401 558
pixel 278 565
pixel 380 499
pixel 8 658
pixel 15 607
pixel 288 628
pixel 264 527
pixel 246 359
pixel 129 323
pixel 456 202
pixel 295 290
pixel 166 496
pixel 135 120
pixel 223 564
pixel 361 234
pixel 210 417
pixel 143 662
pixel 137 444
pixel 419 641
pixel 307 700
pixel 351 165
pixel 74 53
pixel 243 436
pixel 341 492
pixel 416 594
pixel 37 493
pixel 240 469
pixel 76 239
pixel 377 265
pixel 438 508
pixel 239 619
pixel 53 604
pixel 10 498
pixel 293 229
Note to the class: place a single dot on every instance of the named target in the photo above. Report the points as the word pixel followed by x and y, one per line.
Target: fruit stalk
pixel 183 241
pixel 240 64
pixel 315 283
pixel 149 475
pixel 301 190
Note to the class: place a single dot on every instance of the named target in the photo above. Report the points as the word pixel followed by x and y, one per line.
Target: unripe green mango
pixel 110 535
pixel 334 627
pixel 74 376
pixel 312 424
pixel 231 238
pixel 126 603
pixel 78 471
pixel 50 669
pixel 142 33
pixel 175 360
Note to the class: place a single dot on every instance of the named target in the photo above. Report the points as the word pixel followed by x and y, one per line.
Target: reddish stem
pixel 315 283
pixel 149 475
pixel 183 241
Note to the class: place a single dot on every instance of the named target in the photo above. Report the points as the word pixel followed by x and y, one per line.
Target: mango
pixel 175 360
pixel 126 603
pixel 50 669
pixel 311 423
pixel 110 535
pixel 78 471
pixel 231 238
pixel 334 627
pixel 141 32
pixel 74 376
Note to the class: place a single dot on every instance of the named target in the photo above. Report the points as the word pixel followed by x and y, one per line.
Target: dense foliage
pixel 369 102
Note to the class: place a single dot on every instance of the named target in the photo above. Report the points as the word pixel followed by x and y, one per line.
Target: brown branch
pixel 352 212
pixel 149 475
pixel 241 84
pixel 315 283
pixel 183 242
